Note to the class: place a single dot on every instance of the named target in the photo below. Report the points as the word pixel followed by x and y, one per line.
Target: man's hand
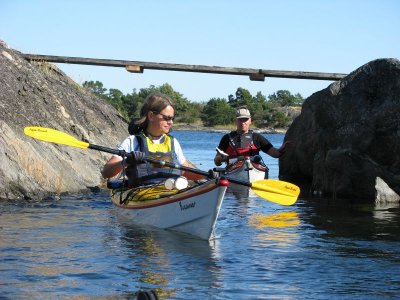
pixel 220 157
pixel 212 174
pixel 284 147
pixel 222 153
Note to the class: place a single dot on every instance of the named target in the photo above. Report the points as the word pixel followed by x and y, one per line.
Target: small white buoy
pixel 181 183
pixel 169 183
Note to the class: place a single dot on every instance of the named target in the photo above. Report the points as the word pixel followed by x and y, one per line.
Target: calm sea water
pixel 78 248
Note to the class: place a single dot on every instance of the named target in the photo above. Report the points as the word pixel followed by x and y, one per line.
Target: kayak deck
pixel 193 210
pixel 245 170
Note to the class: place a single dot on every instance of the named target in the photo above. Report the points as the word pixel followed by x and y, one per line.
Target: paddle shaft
pixel 164 163
pixel 197 171
pixel 108 150
pixel 152 160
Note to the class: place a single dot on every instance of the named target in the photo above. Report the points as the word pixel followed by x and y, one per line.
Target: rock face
pixel 384 194
pixel 39 94
pixel 348 134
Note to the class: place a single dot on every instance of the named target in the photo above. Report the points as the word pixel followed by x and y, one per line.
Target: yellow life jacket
pixel 150 173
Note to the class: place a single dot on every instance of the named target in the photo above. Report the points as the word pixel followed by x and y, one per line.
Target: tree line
pixel 266 111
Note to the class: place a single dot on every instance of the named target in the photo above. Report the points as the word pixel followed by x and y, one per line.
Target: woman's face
pixel 162 122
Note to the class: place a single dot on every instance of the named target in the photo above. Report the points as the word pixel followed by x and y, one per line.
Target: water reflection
pixel 355 219
pixel 154 256
pixel 386 211
pixel 274 229
pixel 240 192
pixel 282 219
pixel 238 201
pixel 45 243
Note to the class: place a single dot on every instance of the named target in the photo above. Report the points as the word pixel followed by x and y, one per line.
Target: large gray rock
pixel 348 134
pixel 39 94
pixel 384 194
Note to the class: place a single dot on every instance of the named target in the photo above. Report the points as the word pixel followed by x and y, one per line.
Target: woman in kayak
pixel 244 142
pixel 150 138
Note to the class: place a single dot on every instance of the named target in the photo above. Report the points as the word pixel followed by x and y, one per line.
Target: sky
pixel 333 36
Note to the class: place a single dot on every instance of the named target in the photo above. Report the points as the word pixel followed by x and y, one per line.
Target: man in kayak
pixel 150 139
pixel 244 142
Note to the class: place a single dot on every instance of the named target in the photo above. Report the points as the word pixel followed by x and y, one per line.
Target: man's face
pixel 243 125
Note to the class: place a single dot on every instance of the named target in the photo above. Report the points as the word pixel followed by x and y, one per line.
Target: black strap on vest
pixel 137 175
pixel 235 146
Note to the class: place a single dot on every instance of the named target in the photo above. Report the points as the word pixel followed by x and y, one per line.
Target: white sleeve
pixel 129 144
pixel 178 152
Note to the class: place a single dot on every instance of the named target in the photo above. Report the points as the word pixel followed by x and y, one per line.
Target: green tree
pixel 285 98
pixel 279 120
pixel 182 105
pixel 95 87
pixel 193 112
pixel 132 103
pixel 217 111
pixel 115 96
pixel 258 107
pixel 242 98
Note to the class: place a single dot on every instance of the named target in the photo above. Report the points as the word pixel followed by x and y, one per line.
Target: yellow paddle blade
pixel 54 136
pixel 281 192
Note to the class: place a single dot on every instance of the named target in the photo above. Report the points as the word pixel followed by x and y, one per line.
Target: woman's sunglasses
pixel 165 117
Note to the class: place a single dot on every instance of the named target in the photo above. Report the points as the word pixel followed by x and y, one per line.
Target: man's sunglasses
pixel 165 117
pixel 243 119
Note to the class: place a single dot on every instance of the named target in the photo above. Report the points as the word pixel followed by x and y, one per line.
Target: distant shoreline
pixel 180 127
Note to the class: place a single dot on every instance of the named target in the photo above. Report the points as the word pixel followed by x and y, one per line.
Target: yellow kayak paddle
pixel 276 191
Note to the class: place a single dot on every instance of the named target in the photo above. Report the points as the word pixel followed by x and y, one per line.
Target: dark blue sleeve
pixel 261 142
pixel 224 143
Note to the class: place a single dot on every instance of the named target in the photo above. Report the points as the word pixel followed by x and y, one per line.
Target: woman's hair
pixel 154 102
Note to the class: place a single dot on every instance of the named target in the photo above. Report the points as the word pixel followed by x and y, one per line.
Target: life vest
pixel 149 173
pixel 245 141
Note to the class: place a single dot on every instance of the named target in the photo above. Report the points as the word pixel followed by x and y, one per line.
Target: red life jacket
pixel 242 145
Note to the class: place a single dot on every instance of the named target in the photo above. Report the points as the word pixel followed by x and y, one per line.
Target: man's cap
pixel 242 112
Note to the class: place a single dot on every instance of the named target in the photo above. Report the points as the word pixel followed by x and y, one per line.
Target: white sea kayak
pixel 193 210
pixel 245 169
